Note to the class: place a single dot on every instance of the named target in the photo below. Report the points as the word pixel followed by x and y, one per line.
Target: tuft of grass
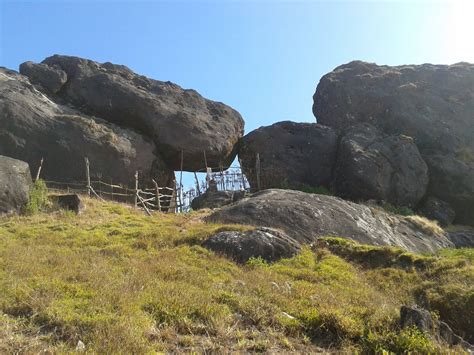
pixel 320 190
pixel 38 198
pixel 426 225
pixel 121 281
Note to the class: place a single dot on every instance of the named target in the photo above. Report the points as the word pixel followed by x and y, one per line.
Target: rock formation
pixel 422 319
pixel 32 126
pixel 433 104
pixel 175 119
pixel 438 210
pixel 304 217
pixel 270 245
pixel 371 165
pixel 291 155
pixel 15 183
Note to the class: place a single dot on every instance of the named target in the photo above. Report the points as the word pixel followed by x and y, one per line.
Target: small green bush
pixel 38 198
pixel 400 210
pixel 320 190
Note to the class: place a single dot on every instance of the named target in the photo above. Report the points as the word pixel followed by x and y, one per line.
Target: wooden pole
pixel 257 170
pixel 172 207
pixel 88 177
pixel 111 189
pixel 135 201
pixel 158 202
pixel 242 174
pixel 181 183
pixel 205 159
pixel 39 169
pixel 197 184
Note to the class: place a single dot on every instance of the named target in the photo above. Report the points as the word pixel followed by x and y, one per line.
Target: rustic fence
pixel 173 198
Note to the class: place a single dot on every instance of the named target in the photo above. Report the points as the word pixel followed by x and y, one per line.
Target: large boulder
pixel 372 165
pixel 216 199
pixel 176 119
pixel 439 210
pixel 15 183
pixel 32 126
pixel 305 217
pixel 291 155
pixel 431 103
pixel 422 320
pixel 268 244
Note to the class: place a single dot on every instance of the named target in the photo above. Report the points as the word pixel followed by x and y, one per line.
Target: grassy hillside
pixel 120 281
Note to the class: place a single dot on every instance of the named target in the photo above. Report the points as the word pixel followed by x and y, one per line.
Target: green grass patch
pixel 121 281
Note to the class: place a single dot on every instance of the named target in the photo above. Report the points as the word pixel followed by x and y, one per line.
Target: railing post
pixel 39 170
pixel 135 201
pixel 88 177
pixel 158 202
pixel 257 170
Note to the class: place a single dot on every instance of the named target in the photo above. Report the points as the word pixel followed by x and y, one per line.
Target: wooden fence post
pixel 88 177
pixel 158 202
pixel 242 174
pixel 180 198
pixel 172 206
pixel 39 170
pixel 135 201
pixel 205 158
pixel 257 170
pixel 111 189
pixel 197 184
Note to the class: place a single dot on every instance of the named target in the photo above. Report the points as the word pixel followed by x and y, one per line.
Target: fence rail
pixel 160 198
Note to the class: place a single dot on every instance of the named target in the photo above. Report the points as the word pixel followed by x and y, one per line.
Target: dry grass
pixel 120 281
pixel 426 225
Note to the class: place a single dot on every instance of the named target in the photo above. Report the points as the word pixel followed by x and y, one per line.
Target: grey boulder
pixel 372 165
pixel 422 320
pixel 15 184
pixel 267 244
pixel 291 155
pixel 70 202
pixel 439 210
pixel 32 126
pixel 431 103
pixel 305 217
pixel 177 120
pixel 216 199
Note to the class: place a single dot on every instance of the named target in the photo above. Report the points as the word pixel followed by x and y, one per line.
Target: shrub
pixel 320 190
pixel 400 210
pixel 38 198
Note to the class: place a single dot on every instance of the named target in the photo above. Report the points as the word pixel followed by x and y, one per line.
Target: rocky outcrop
pixel 71 202
pixel 15 183
pixel 305 217
pixel 32 126
pixel 433 104
pixel 268 244
pixel 216 199
pixel 438 210
pixel 372 165
pixel 291 155
pixel 175 119
pixel 421 319
pixel 462 238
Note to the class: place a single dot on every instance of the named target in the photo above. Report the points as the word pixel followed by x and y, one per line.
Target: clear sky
pixel 264 58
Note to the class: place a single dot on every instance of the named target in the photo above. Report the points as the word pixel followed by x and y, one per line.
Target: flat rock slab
pixel 305 217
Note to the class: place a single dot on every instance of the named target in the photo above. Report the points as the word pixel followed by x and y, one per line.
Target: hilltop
pixel 118 280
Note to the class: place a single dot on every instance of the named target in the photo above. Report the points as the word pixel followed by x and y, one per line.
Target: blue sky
pixel 264 58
